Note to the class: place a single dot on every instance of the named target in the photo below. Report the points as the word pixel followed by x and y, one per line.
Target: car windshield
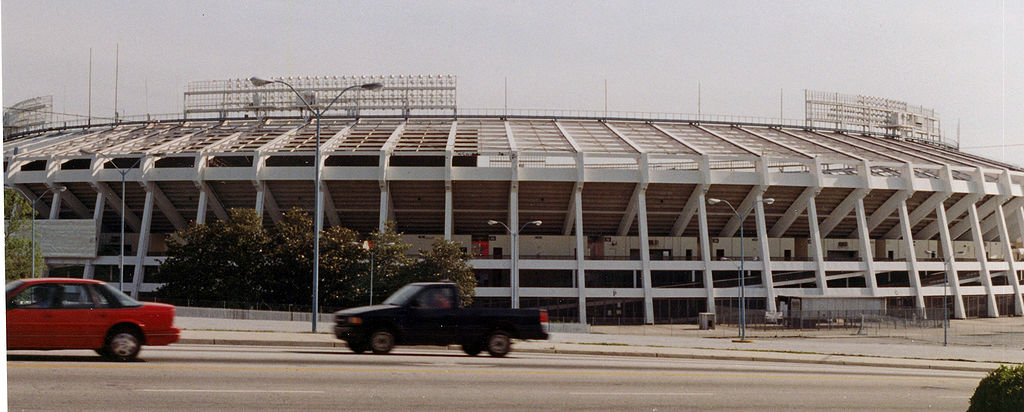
pixel 403 295
pixel 11 286
pixel 123 299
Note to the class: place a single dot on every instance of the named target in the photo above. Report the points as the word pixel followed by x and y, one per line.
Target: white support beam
pixel 581 252
pixel 689 210
pixel 983 211
pixel 734 222
pixel 705 246
pixel 799 205
pixel 885 210
pixel 816 246
pixel 385 206
pixel 55 204
pixel 678 139
pixel 142 246
pixel 114 201
pixel 69 199
pixel 843 210
pixel 953 212
pixel 1011 273
pixel 201 208
pixel 949 255
pixel 864 242
pixel 766 255
pixel 97 217
pixel 328 202
pixel 513 225
pixel 271 207
pixel 449 217
pixel 570 212
pixel 624 138
pixel 213 202
pixel 1018 216
pixel 165 206
pixel 631 210
pixel 922 211
pixel 908 244
pixel 979 252
pixel 261 196
pixel 645 257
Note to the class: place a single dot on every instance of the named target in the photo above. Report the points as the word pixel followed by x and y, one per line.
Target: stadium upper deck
pixel 854 212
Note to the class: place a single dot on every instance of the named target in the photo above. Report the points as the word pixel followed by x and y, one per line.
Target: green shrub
pixel 1001 390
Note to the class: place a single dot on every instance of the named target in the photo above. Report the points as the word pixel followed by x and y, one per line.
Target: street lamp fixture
pixel 318 221
pixel 515 255
pixel 743 274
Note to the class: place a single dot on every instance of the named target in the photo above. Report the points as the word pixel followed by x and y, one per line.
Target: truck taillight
pixel 543 316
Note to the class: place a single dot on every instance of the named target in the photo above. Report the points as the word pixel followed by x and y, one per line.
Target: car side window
pixel 75 296
pixel 98 298
pixel 42 296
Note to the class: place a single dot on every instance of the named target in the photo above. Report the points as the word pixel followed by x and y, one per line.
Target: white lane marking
pixel 644 393
pixel 223 391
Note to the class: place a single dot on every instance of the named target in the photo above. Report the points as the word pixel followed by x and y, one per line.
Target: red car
pixel 60 313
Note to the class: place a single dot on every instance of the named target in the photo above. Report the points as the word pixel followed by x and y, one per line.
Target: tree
pixel 223 260
pixel 447 260
pixel 17 243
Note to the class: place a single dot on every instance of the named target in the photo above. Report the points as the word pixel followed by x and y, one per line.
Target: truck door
pixel 432 318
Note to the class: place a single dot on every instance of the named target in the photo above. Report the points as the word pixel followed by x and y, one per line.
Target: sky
pixel 965 59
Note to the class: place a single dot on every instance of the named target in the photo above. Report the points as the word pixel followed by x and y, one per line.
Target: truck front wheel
pixel 498 344
pixel 472 349
pixel 382 341
pixel 357 346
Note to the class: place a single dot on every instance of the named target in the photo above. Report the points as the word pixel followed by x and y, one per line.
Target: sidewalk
pixel 684 343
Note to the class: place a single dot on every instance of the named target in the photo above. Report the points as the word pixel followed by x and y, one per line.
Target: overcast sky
pixel 965 59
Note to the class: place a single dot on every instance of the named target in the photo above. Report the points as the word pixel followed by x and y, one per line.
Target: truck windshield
pixel 403 295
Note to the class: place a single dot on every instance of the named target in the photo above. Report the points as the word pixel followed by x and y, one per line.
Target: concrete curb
pixel 826 359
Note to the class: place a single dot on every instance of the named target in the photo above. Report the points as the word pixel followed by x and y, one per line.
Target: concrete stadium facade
pixel 855 214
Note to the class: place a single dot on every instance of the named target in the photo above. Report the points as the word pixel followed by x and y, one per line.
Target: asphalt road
pixel 198 377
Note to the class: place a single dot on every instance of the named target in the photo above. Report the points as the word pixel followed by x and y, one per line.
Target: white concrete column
pixel 866 254
pixel 913 274
pixel 766 258
pixel 645 256
pixel 261 193
pixel 97 217
pixel 979 252
pixel 513 226
pixel 818 250
pixel 55 204
pixel 705 250
pixel 946 242
pixel 448 214
pixel 385 202
pixel 142 244
pixel 201 208
pixel 1011 273
pixel 581 252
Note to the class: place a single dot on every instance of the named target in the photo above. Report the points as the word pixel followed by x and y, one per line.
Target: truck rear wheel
pixel 382 341
pixel 499 343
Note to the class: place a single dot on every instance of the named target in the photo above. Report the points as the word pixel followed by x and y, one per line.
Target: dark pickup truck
pixel 429 314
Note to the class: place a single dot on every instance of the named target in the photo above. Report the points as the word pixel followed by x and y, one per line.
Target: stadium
pixel 596 216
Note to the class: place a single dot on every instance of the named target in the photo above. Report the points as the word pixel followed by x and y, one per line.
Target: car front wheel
pixel 122 345
pixel 382 342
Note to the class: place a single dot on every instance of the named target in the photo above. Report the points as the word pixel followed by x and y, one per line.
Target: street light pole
pixel 743 274
pixel 373 255
pixel 948 266
pixel 318 221
pixel 515 255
